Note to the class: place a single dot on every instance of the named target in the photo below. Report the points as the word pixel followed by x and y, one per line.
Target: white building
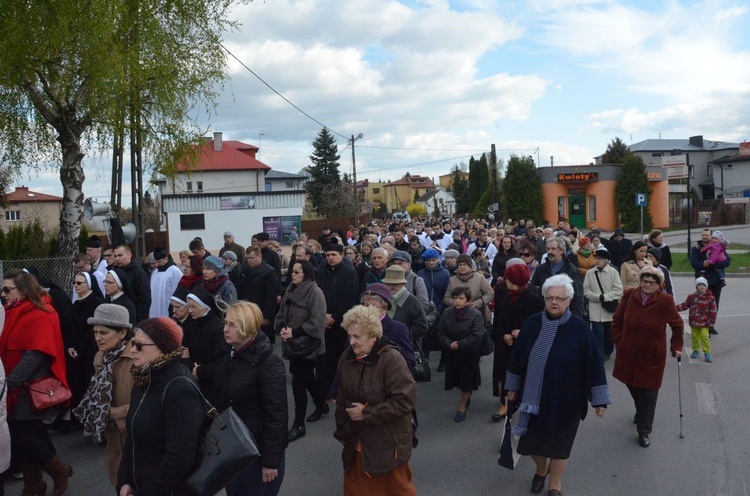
pixel 446 203
pixel 228 189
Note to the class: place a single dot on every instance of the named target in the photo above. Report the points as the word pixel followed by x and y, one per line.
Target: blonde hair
pixel 247 316
pixel 366 317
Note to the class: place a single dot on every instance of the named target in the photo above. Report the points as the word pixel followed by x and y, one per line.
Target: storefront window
pixel 562 210
pixel 592 207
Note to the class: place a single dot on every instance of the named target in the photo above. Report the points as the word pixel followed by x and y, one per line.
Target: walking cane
pixel 679 392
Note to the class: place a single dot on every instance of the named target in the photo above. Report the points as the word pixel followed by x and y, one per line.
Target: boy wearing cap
pixel 701 316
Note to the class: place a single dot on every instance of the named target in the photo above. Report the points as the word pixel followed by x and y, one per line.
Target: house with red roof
pixel 398 194
pixel 226 188
pixel 24 206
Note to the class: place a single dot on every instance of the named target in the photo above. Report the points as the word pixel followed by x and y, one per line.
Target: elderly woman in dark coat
pixel 252 380
pixel 375 399
pixel 460 333
pixel 515 301
pixel 554 368
pixel 639 331
pixel 301 323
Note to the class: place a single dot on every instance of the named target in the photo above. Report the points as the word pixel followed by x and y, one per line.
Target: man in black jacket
pixel 340 285
pixel 269 256
pixel 558 263
pixel 260 285
pixel 139 281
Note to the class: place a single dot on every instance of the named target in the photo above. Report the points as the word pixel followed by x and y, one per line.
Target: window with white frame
pixel 12 215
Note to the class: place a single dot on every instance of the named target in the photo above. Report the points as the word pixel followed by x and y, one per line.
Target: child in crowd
pixel 702 315
pixel 716 251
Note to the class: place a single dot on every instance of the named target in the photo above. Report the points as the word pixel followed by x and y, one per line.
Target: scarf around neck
pixel 532 386
pixel 142 375
pixel 93 411
pixel 213 286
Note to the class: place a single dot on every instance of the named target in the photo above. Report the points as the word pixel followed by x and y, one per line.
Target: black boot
pixel 441 365
pixel 297 431
pixel 320 410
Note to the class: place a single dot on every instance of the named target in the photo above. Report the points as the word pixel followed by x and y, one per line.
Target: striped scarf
pixel 532 386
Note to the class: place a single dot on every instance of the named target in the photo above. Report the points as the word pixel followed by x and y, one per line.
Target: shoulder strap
pixel 210 409
pixel 598 281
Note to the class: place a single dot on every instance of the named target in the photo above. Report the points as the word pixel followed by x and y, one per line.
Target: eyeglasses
pixel 78 283
pixel 555 299
pixel 297 272
pixel 648 282
pixel 527 254
pixel 8 289
pixel 139 346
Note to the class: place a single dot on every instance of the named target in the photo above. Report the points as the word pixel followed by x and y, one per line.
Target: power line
pixel 279 94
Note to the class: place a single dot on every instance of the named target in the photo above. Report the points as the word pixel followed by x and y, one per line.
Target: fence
pixel 708 213
pixel 59 271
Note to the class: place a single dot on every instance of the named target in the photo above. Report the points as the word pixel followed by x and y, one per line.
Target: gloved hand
pixel 601 298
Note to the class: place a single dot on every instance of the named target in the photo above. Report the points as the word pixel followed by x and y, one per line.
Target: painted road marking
pixel 709 402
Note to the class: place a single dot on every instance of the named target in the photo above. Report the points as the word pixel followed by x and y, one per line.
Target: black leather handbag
pixel 301 347
pixel 610 306
pixel 225 448
pixel 421 371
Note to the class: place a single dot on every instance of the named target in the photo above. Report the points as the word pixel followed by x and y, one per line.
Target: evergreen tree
pixel 616 152
pixel 324 171
pixel 633 179
pixel 522 190
pixel 479 176
pixel 460 191
pixel 3 246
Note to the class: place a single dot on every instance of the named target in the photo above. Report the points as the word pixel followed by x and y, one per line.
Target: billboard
pixel 279 228
pixel 676 166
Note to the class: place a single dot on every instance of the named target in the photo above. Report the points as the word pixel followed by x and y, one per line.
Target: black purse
pixel 487 347
pixel 302 348
pixel 610 306
pixel 421 371
pixel 225 448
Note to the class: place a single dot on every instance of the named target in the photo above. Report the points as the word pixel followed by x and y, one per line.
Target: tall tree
pixel 522 190
pixel 324 172
pixel 479 175
pixel 85 71
pixel 633 179
pixel 616 152
pixel 460 190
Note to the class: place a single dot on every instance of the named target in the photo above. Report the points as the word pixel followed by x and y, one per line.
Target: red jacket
pixel 640 333
pixel 702 309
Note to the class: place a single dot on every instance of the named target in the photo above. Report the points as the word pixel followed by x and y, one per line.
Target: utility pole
pixel 354 178
pixel 689 210
pixel 493 168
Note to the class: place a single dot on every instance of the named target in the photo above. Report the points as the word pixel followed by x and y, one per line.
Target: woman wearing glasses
pixel 554 368
pixel 527 252
pixel 31 348
pixel 80 345
pixel 166 417
pixel 639 331
pixel 105 405
pixel 117 291
pixel 301 323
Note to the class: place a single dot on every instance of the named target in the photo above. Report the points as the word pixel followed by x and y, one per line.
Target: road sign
pixel 641 199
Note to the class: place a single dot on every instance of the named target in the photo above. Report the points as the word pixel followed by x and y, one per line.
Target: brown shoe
pixel 537 483
pixel 33 482
pixel 60 472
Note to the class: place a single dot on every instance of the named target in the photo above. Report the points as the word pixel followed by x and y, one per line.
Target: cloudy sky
pixel 430 83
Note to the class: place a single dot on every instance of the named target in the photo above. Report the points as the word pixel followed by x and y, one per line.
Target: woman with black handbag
pixel 252 380
pixel 301 323
pixel 602 288
pixel 31 348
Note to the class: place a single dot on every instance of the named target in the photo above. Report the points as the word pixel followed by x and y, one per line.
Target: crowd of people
pixel 349 308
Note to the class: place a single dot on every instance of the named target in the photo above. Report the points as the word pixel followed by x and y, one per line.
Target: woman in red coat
pixel 31 348
pixel 639 329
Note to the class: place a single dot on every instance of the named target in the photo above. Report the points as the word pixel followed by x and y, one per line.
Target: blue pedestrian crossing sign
pixel 641 199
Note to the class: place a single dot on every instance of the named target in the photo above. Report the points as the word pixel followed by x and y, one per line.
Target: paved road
pixel 454 459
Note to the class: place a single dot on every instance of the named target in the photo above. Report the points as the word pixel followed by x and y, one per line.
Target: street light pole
pixel 259 135
pixel 354 178
pixel 690 212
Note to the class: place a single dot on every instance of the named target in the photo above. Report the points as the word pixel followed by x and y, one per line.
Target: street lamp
pixel 354 177
pixel 259 135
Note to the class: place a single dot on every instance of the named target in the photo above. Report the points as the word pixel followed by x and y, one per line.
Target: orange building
pixel 585 194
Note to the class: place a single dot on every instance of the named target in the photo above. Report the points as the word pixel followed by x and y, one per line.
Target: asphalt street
pixel 460 458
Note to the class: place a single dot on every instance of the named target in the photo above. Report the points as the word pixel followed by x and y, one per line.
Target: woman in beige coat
pixel 105 405
pixel 630 271
pixel 481 292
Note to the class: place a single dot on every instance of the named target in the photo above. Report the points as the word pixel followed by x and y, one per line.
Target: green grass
pixel 740 263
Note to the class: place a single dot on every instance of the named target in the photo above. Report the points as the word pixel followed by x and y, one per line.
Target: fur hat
pixel 401 255
pixel 518 274
pixel 111 315
pixel 602 252
pixel 164 332
pixel 334 247
pixel 381 291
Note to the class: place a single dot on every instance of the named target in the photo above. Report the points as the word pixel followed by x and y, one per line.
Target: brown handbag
pixel 47 392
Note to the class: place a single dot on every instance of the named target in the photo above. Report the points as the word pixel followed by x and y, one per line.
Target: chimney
pixel 697 141
pixel 218 144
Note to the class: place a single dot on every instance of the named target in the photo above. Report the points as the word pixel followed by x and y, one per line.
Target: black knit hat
pixel 94 242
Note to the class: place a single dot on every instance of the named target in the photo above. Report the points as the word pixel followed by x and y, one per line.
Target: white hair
pixel 559 281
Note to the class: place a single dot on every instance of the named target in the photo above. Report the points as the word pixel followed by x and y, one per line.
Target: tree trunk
pixel 71 177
